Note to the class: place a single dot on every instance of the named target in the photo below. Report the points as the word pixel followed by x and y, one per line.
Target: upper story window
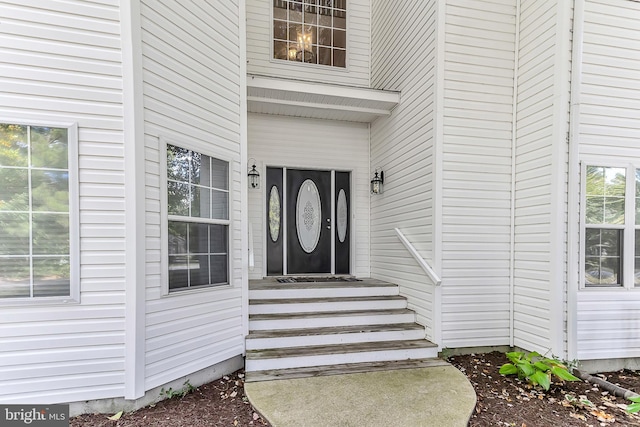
pixel 198 219
pixel 311 31
pixel 37 174
pixel 611 226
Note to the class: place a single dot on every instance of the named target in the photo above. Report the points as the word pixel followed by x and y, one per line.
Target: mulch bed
pixel 218 403
pixel 502 401
pixel 507 401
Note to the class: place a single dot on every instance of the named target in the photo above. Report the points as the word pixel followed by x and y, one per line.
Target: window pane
pixel 14 277
pixel 177 238
pixel 603 260
pixel 201 202
pixel 219 239
pixel 637 196
pixel 178 198
pixel 339 39
pixel 220 205
pixel 636 276
pixel 50 191
pixel 280 30
pixel 49 148
pixel 177 163
pixel 200 169
pixel 50 234
pixel 614 210
pixel 14 189
pixel 178 269
pixel 198 238
pixel 219 269
pixel 14 234
pixel 280 50
pixel 51 277
pixel 595 210
pixel 339 58
pixel 324 36
pixel 14 142
pixel 199 270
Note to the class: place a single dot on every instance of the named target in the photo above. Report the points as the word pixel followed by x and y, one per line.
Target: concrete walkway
pixel 439 396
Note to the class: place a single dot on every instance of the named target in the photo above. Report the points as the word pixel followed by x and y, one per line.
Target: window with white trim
pixel 198 219
pixel 611 230
pixel 310 31
pixel 36 178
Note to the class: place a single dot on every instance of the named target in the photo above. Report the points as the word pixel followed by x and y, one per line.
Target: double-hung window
pixel 198 219
pixel 611 231
pixel 37 212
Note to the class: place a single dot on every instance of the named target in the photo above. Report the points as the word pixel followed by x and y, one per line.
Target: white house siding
pixel 540 178
pixel 608 321
pixel 192 92
pixel 259 48
pixel 61 62
pixel 476 171
pixel 404 43
pixel 311 144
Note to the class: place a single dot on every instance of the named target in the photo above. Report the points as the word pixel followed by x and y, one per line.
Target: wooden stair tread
pixel 325 300
pixel 316 314
pixel 274 285
pixel 338 349
pixel 347 368
pixel 276 333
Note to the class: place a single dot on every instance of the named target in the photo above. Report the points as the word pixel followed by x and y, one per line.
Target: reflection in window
pixel 34 211
pixel 605 219
pixel 311 31
pixel 198 226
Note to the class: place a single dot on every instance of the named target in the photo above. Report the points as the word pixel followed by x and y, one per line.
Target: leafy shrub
pixel 635 406
pixel 536 368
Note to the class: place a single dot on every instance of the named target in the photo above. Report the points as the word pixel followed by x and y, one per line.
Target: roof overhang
pixel 268 95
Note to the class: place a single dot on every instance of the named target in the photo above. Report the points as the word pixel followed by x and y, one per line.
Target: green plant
pixel 635 406
pixel 536 368
pixel 170 393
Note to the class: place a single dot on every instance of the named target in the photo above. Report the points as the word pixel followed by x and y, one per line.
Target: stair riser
pixel 334 359
pixel 323 292
pixel 329 339
pixel 321 322
pixel 325 306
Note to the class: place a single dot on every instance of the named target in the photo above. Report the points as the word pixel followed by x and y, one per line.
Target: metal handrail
pixel 421 261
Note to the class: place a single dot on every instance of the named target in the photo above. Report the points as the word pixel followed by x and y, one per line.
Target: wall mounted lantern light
pixel 254 176
pixel 376 182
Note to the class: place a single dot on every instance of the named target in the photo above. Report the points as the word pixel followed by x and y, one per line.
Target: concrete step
pixel 347 368
pixel 305 305
pixel 333 335
pixel 304 357
pixel 269 288
pixel 329 318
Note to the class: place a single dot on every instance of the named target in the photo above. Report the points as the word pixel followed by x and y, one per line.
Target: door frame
pixel 284 219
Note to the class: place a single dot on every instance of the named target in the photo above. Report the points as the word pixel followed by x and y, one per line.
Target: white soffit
pixel 267 95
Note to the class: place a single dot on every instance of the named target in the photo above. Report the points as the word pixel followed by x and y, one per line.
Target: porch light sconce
pixel 254 175
pixel 376 182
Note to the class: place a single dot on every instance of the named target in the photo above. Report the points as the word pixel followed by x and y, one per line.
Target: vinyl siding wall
pixel 259 45
pixel 311 144
pixel 61 62
pixel 540 179
pixel 479 63
pixel 534 165
pixel 192 94
pixel 608 321
pixel 403 146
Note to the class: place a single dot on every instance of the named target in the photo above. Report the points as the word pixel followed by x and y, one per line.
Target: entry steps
pixel 323 328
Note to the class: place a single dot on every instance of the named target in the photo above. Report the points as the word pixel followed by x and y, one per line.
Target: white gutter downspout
pixel 514 141
pixel 573 198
